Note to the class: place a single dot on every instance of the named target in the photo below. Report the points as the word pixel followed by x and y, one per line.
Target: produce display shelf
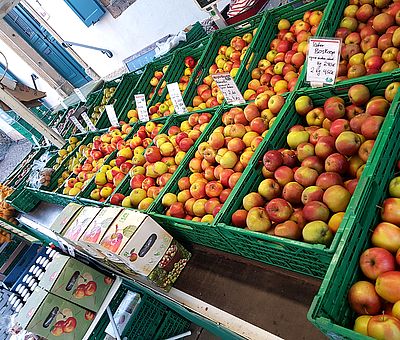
pixel 293 255
pixel 201 233
pixel 217 39
pixel 268 30
pixel 124 187
pixel 143 85
pixel 330 310
pixel 177 67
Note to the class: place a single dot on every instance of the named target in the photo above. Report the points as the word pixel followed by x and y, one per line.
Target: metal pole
pixel 28 116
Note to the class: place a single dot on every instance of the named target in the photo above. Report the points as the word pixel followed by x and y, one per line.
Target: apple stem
pixel 378 206
pixel 383 315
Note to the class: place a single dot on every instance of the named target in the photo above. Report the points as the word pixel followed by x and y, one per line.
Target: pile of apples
pixel 370 31
pixel 279 70
pixel 228 59
pixel 308 185
pixel 376 298
pixel 95 154
pixel 155 166
pixel 158 75
pixel 219 162
pixel 128 156
pixel 166 108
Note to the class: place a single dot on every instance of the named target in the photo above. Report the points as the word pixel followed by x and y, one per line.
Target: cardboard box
pixel 80 223
pixel 67 215
pixel 54 318
pixel 76 282
pixel 135 240
pixel 119 232
pixel 96 230
pixel 169 268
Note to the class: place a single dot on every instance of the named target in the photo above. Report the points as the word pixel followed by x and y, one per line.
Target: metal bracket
pixel 67 44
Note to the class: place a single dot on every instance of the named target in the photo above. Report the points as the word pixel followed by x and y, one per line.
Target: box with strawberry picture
pixel 53 317
pixel 76 282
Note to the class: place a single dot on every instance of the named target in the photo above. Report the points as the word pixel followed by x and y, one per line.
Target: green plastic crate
pixel 330 311
pixel 268 31
pixel 173 325
pixel 84 195
pixel 177 67
pixel 143 85
pixel 142 325
pixel 297 256
pixel 51 197
pixel 217 39
pixel 196 232
pixel 124 187
pixel 23 200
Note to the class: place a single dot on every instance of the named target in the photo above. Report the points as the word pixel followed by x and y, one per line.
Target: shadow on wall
pixel 116 7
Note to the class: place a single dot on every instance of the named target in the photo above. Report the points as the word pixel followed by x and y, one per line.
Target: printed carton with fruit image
pixel 81 222
pixel 52 317
pixel 76 282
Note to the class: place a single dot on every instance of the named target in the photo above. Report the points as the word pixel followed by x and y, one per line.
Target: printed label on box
pixel 80 223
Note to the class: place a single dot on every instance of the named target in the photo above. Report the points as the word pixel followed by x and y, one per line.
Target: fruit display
pixel 219 161
pixel 156 79
pixel 153 168
pixel 7 212
pixel 73 142
pixel 228 59
pixel 108 92
pixel 5 237
pixel 22 169
pixel 375 297
pixel 370 32
pixel 95 155
pixel 279 70
pixel 128 156
pixel 306 186
pixel 166 108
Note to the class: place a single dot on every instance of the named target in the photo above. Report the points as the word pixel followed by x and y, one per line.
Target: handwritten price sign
pixel 322 60
pixel 228 88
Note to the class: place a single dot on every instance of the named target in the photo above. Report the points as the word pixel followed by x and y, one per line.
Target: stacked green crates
pixel 330 310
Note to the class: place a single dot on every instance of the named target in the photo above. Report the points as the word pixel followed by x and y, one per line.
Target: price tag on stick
pixel 322 60
pixel 112 115
pixel 80 95
pixel 88 122
pixel 176 98
pixel 77 124
pixel 141 107
pixel 228 88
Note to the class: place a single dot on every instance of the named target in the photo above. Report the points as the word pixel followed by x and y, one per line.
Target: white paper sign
pixel 80 95
pixel 141 107
pixel 176 98
pixel 228 88
pixel 77 124
pixel 112 116
pixel 322 60
pixel 88 122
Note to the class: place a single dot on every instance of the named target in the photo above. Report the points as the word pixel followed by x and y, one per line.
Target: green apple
pixel 317 232
pixel 294 138
pixel 394 187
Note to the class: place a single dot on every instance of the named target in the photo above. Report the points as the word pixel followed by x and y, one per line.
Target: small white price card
pixel 228 88
pixel 88 122
pixel 80 94
pixel 176 98
pixel 141 107
pixel 61 101
pixel 322 60
pixel 112 116
pixel 77 124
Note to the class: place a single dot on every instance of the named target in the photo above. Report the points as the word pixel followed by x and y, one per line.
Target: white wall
pixel 143 23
